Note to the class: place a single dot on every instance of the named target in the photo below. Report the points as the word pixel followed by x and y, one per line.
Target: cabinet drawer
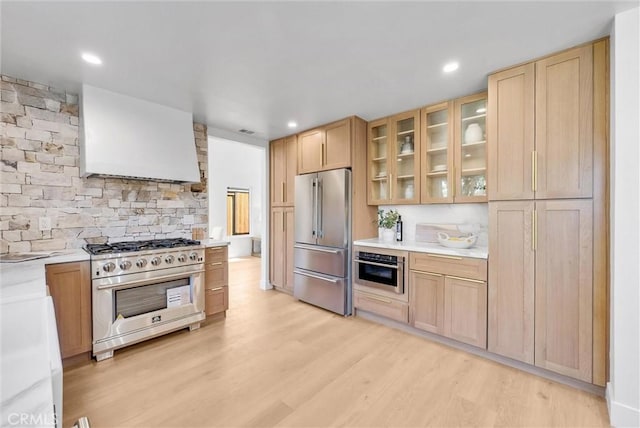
pixel 215 275
pixel 381 306
pixel 449 265
pixel 216 300
pixel 215 254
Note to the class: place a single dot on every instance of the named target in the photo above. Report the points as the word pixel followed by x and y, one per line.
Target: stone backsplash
pixel 41 181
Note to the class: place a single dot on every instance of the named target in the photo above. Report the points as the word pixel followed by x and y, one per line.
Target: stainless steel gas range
pixel 143 289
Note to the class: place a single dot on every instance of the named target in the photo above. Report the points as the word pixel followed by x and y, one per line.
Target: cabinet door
pixel 216 300
pixel 278 167
pixel 511 280
pixel 289 225
pixel 216 275
pixel 426 301
pixel 437 153
pixel 70 288
pixel 404 154
pixel 510 133
pixel 471 149
pixel 563 311
pixel 310 151
pixel 465 310
pixel 564 122
pixel 278 247
pixel 337 145
pixel 378 162
pixel 291 167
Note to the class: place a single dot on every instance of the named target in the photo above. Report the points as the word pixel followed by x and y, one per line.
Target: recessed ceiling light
pixel 91 58
pixel 292 124
pixel 481 110
pixel 451 66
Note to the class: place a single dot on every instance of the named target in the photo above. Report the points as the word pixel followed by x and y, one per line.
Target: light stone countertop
pixel 210 243
pixel 425 247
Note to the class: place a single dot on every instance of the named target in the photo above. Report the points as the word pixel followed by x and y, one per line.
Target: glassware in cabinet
pixel 471 149
pixel 437 160
pixel 404 183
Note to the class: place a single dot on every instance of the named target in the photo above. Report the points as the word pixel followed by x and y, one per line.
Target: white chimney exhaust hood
pixel 127 137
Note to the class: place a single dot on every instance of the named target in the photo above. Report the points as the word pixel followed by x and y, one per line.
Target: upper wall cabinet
pixel 437 153
pixel 324 148
pixel 541 128
pixel 394 159
pixel 283 171
pixel 470 145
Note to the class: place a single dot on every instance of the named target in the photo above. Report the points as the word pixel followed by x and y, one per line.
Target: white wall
pixel 623 390
pixel 471 214
pixel 238 165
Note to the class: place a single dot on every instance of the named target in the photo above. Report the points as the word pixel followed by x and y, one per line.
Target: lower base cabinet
pixel 70 288
pixel 389 308
pixel 443 303
pixel 216 274
pixel 281 258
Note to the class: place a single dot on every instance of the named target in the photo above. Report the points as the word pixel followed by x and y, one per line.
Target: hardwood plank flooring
pixel 274 361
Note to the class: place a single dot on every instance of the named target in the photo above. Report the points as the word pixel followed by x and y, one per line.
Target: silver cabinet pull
pixel 310 275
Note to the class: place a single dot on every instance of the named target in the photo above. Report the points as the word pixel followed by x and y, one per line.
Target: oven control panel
pixel 144 261
pixel 379 258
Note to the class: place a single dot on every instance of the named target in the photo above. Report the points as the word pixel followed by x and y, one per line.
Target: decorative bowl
pixel 457 242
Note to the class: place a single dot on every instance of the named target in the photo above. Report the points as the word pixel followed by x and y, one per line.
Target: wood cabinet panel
pixel 215 254
pixel 216 280
pixel 70 288
pixel 436 150
pixel 465 311
pixel 564 287
pixel 216 300
pixel 337 145
pixel 449 265
pixel 283 169
pixel 564 124
pixel 511 133
pixel 216 275
pixel 282 240
pixel 310 151
pixel 426 303
pixel 388 308
pixel 511 280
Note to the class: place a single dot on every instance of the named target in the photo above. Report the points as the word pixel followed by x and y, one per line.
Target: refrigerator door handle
pixel 316 248
pixel 319 208
pixel 314 208
pixel 310 275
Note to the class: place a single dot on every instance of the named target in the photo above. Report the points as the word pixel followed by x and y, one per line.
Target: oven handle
pixel 146 280
pixel 376 264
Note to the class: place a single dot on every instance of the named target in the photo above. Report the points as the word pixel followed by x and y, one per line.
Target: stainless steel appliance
pixel 143 289
pixel 383 271
pixel 322 240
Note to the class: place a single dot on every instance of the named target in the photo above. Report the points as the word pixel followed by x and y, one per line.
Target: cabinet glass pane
pixel 378 164
pixel 437 156
pixel 405 160
pixel 473 158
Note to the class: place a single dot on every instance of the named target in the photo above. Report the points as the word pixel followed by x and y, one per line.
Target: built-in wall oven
pixel 382 271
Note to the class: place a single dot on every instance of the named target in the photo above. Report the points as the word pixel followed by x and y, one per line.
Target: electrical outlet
pixel 45 223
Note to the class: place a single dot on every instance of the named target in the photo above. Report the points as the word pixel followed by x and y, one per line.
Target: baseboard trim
pixel 265 285
pixel 621 415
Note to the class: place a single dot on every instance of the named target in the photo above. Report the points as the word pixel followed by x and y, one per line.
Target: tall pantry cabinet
pixel 547 131
pixel 283 168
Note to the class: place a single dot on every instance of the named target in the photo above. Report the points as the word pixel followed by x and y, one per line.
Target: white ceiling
pixel 257 65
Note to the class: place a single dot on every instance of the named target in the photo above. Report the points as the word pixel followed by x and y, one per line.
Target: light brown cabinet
pixel 394 159
pixel 381 305
pixel 448 296
pixel 437 153
pixel 282 239
pixel 541 128
pixel 216 274
pixel 324 148
pixel 283 166
pixel 70 288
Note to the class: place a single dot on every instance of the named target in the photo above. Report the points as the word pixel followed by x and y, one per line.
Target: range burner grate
pixel 129 246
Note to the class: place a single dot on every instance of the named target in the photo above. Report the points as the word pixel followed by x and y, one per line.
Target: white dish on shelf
pixel 457 242
pixel 438 168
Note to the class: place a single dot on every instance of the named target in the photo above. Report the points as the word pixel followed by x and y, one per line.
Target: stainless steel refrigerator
pixel 322 272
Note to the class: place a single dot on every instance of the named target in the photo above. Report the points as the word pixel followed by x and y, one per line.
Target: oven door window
pixel 134 301
pixel 379 274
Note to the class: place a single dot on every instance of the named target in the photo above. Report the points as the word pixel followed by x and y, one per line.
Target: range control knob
pixel 182 258
pixel 169 259
pixel 156 261
pixel 141 263
pixel 125 265
pixel 109 267
pixel 193 256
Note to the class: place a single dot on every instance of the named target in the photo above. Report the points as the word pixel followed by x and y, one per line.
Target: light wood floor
pixel 277 362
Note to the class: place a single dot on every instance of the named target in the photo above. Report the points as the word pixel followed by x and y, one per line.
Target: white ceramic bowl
pixel 453 242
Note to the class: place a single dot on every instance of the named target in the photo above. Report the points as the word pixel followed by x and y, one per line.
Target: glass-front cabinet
pixel 471 149
pixel 437 153
pixel 394 159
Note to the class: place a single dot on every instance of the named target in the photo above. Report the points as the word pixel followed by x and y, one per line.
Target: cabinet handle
pixel 534 170
pixel 283 191
pixel 379 299
pixel 216 289
pixel 390 186
pixel 453 183
pixel 215 264
pixel 438 256
pixel 477 281
pixel 284 222
pixel 534 234
pixel 322 154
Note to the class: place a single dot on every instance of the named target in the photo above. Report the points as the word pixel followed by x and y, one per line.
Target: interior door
pixel 305 213
pixel 334 207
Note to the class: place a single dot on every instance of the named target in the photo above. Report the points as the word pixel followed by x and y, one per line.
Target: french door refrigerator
pixel 322 240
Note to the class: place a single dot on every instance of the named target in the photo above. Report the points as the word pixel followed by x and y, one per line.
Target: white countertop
pixel 209 243
pixel 425 247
